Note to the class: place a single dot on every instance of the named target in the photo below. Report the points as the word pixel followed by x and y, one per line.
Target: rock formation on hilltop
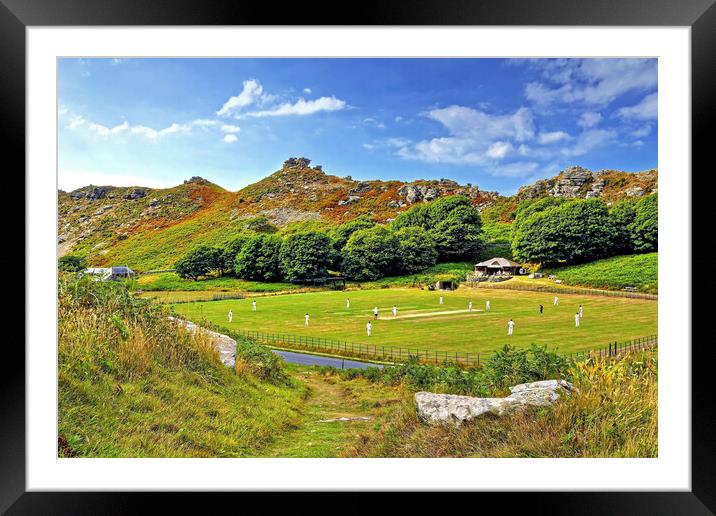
pixel 578 182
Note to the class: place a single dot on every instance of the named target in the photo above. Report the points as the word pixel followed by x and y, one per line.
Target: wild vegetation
pixel 134 384
pixel 614 413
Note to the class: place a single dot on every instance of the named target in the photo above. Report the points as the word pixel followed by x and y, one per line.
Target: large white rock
pixel 225 345
pixel 454 410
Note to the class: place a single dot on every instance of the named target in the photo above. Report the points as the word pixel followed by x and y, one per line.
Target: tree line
pixel 553 230
pixel 447 229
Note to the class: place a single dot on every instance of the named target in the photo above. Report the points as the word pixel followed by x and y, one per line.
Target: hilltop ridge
pixel 149 228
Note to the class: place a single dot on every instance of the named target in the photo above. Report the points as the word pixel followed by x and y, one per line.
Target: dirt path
pixel 329 400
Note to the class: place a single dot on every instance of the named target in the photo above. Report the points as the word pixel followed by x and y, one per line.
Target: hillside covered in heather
pixel 149 228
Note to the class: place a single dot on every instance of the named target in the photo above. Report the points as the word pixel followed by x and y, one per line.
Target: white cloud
pixel 102 130
pixel 301 107
pixel 230 138
pixel 517 169
pixel 76 121
pixel 398 118
pixel 307 91
pixel 589 81
pixel 251 92
pixel 204 122
pixel 589 119
pixel 641 132
pixel 228 128
pixel 152 134
pixel 475 137
pixel 552 137
pixel 647 109
pixel 589 140
pixel 498 150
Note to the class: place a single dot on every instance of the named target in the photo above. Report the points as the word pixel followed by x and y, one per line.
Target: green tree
pixel 231 249
pixel 529 206
pixel 370 254
pixel 306 255
pixel 259 259
pixel 457 236
pixel 645 228
pixel 452 221
pixel 623 214
pixel 416 249
pixel 575 231
pixel 70 263
pixel 199 262
pixel 341 234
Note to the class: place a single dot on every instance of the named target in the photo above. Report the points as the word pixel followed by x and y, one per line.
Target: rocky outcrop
pixel 416 193
pixel 296 163
pixel 136 193
pixel 96 193
pixel 454 410
pixel 572 182
pixel 225 345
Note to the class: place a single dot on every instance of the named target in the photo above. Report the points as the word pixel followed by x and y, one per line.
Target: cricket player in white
pixel 556 301
pixel 368 328
pixel 469 306
pixel 375 312
pixel 580 311
pixel 441 299
pixel 231 315
pixel 487 305
pixel 253 305
pixel 348 303
pixel 510 327
pixel 306 319
pixel 576 320
pixel 395 310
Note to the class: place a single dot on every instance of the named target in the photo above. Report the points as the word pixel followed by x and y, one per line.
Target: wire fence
pixel 562 290
pixel 400 355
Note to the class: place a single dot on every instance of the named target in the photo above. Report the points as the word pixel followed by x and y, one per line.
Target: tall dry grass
pixel 613 414
pixel 104 329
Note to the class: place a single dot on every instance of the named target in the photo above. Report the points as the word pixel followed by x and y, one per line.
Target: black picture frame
pixel 700 15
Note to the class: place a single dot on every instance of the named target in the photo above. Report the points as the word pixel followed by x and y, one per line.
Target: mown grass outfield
pixel 423 323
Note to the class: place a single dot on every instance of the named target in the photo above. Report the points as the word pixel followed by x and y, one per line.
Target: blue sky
pixel 497 123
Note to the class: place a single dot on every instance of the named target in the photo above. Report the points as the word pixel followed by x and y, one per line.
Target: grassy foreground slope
pixel 133 384
pixel 617 272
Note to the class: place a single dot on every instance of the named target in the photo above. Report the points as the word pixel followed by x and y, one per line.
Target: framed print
pixel 417 253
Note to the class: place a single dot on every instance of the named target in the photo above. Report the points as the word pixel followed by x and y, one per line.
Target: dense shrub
pixel 231 249
pixel 453 222
pixel 622 215
pixel 416 250
pixel 258 259
pixel 70 263
pixel 370 254
pixel 200 262
pixel 573 232
pixel 306 255
pixel 645 228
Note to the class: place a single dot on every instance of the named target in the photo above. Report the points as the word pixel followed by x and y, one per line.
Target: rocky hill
pixel 610 185
pixel 149 228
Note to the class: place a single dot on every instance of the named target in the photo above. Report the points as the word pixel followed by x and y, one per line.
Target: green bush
pixel 306 255
pixel 201 261
pixel 645 228
pixel 416 250
pixel 70 263
pixel 370 254
pixel 259 259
